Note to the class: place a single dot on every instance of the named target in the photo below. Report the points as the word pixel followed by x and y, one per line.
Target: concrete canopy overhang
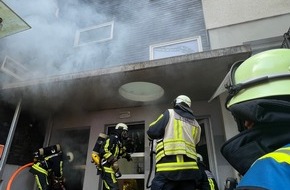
pixel 197 75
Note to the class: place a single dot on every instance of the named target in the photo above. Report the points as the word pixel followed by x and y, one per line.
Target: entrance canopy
pixel 197 75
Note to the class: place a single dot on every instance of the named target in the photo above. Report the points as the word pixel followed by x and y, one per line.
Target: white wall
pixel 230 125
pixel 220 13
pixel 234 35
pixel 231 22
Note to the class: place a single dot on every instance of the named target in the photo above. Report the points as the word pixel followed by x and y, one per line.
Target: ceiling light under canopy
pixel 141 91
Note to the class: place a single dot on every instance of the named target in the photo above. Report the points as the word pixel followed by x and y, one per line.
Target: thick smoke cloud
pixel 48 47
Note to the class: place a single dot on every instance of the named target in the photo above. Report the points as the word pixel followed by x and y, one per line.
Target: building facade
pixel 92 49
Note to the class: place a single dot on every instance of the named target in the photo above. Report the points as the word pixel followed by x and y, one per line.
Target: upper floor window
pixel 94 34
pixel 14 68
pixel 175 48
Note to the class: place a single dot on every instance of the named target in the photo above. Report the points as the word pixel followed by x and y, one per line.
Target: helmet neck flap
pixel 270 132
pixel 244 149
pixel 184 108
pixel 267 110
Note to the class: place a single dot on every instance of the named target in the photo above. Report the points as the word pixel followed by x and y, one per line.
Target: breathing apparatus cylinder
pixel 96 151
pixel 50 150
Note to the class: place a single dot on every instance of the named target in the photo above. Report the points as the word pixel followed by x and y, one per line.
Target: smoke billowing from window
pixel 48 47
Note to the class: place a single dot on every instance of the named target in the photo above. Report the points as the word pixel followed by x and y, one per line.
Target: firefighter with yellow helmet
pixel 106 153
pixel 176 132
pixel 259 100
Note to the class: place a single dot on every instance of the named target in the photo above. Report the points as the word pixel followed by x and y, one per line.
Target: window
pixel 94 34
pixel 133 172
pixel 14 68
pixel 175 48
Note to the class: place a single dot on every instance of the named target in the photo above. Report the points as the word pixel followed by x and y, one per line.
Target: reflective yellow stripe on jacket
pixel 181 136
pixel 280 155
pixel 39 168
pixel 174 166
pixel 115 152
pixel 211 184
pixel 108 170
pixel 60 163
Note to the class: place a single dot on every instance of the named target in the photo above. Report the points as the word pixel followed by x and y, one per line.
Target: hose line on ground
pixel 16 173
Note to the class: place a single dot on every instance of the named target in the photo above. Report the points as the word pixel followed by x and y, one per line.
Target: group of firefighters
pixel 259 100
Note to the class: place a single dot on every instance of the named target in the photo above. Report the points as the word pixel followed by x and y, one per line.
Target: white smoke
pixel 48 47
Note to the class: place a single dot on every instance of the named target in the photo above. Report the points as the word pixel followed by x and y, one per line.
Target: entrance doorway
pixel 76 142
pixel 133 173
pixel 206 146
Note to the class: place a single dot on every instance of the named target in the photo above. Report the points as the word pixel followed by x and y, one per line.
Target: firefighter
pixel 47 168
pixel 112 150
pixel 176 133
pixel 259 100
pixel 208 181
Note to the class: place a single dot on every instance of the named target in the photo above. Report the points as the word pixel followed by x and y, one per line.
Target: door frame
pixel 210 145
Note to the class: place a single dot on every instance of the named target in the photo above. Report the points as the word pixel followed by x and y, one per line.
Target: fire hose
pixel 16 173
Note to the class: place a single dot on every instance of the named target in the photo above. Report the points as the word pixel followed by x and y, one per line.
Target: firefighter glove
pixel 115 166
pixel 128 157
pixel 118 174
pixel 112 159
